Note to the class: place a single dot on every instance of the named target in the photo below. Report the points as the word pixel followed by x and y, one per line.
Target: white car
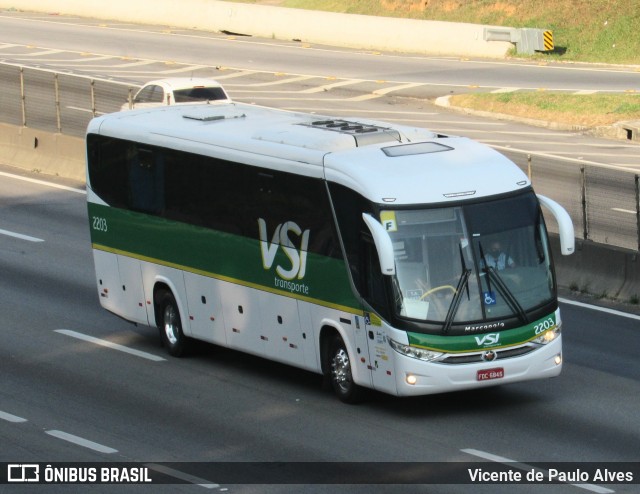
pixel 177 91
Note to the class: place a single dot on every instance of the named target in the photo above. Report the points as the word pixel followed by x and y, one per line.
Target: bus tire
pixel 341 375
pixel 170 325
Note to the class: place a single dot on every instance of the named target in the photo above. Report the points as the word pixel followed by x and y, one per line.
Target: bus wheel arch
pixel 337 366
pixel 169 321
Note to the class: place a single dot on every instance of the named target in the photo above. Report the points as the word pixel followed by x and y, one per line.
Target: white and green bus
pixel 356 249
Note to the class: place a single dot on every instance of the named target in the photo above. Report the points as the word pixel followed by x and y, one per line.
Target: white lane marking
pixel 281 81
pixel 108 344
pixel 11 418
pixel 68 62
pixel 20 236
pixel 40 53
pixel 378 93
pixel 333 85
pixel 121 65
pixel 182 69
pixel 241 73
pixel 600 309
pixel 80 441
pixel 182 476
pixel 620 210
pixel 356 112
pixel 580 145
pixel 504 90
pixel 524 466
pixel 563 158
pixel 85 110
pixel 42 182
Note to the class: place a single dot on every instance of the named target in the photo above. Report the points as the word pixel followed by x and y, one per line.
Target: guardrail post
pixel 529 166
pixel 56 85
pixel 638 209
pixel 93 97
pixel 585 227
pixel 23 98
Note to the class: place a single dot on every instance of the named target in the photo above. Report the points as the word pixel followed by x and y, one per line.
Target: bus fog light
pixel 558 359
pixel 411 379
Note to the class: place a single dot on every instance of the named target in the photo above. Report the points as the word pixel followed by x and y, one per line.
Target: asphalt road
pixel 217 49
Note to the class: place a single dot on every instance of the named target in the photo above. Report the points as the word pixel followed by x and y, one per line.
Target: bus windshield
pixel 471 263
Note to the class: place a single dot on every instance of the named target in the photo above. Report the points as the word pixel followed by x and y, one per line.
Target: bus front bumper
pixel 415 377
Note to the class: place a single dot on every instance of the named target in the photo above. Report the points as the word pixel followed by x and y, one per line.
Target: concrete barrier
pixel 328 28
pixel 601 271
pixel 42 152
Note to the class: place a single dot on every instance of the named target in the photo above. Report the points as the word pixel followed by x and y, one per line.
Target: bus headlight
pixel 415 352
pixel 548 336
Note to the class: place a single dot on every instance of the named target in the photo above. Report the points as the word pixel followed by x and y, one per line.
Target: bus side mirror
pixel 565 225
pixel 383 243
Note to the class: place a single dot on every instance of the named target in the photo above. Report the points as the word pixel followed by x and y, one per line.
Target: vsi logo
pixel 281 238
pixel 489 339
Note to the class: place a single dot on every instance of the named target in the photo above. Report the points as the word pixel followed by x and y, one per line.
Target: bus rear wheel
pixel 170 325
pixel 341 375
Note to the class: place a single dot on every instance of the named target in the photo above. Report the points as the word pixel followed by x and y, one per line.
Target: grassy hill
pixel 606 31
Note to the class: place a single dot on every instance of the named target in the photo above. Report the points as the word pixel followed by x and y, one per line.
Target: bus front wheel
pixel 341 374
pixel 170 325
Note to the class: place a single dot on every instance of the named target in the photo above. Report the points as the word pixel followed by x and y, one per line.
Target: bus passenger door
pixel 373 288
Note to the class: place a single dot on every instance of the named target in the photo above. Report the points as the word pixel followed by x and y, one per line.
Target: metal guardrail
pixel 65 103
pixel 603 202
pixel 56 101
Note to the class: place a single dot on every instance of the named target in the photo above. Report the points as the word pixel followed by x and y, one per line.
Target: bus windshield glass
pixel 470 263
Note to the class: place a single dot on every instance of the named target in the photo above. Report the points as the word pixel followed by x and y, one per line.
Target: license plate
pixel 486 374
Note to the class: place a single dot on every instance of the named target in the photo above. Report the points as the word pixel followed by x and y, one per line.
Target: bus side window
pixel 108 169
pixel 348 207
pixel 146 179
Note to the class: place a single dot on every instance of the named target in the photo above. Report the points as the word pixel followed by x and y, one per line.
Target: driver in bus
pixel 497 258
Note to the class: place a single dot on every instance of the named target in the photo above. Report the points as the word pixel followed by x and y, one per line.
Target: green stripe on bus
pixel 220 255
pixel 493 341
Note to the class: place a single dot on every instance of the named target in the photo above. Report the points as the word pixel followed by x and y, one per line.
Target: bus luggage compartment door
pixel 281 331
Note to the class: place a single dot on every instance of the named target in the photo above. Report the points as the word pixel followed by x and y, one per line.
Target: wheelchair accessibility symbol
pixel 489 298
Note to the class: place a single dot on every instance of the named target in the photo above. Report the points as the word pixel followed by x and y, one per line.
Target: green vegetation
pixel 604 31
pixel 589 110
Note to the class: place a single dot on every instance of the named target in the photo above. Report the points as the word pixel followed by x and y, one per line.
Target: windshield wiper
pixel 504 290
pixel 463 283
pixel 512 301
pixel 455 303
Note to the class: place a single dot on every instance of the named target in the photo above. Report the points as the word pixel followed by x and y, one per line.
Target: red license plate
pixel 486 374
